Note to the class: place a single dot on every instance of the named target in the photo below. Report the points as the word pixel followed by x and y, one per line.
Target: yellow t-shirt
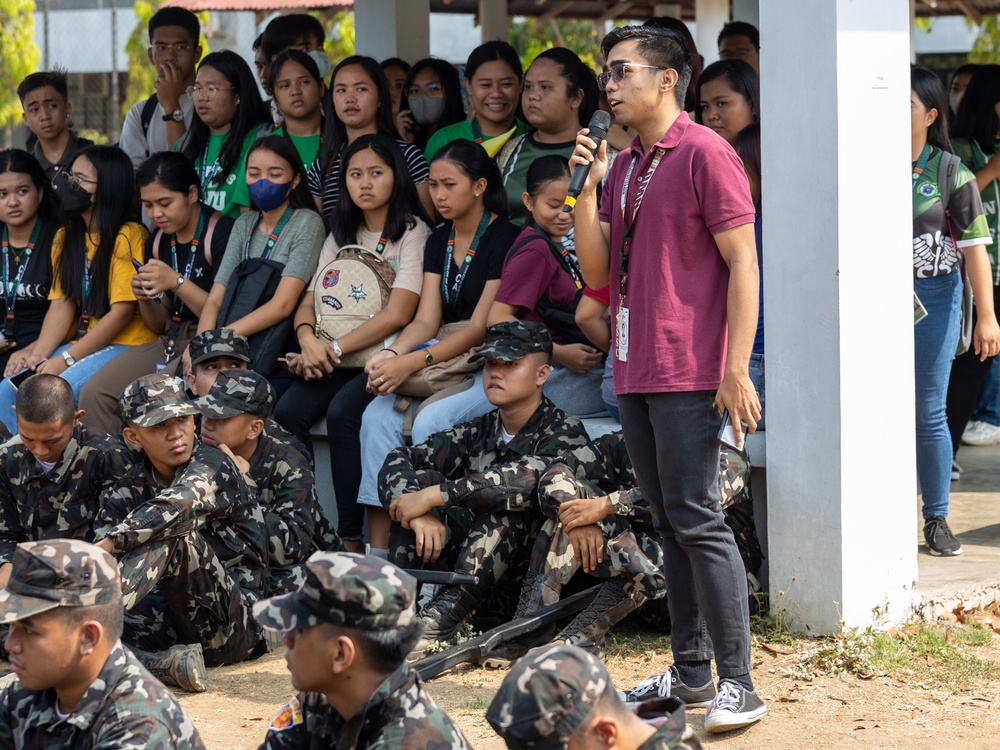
pixel 129 244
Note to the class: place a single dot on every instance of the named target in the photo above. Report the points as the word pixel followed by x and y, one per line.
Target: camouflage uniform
pixel 282 478
pixel 226 342
pixel 125 708
pixel 548 695
pixel 364 593
pixel 199 544
pixel 62 503
pixel 5 434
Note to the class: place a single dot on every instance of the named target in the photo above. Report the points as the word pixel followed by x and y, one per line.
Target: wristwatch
pixel 68 358
pixel 336 348
pixel 428 357
pixel 176 116
pixel 180 280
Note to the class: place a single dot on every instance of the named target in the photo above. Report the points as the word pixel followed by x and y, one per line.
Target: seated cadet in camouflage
pixel 233 413
pixel 559 696
pixel 52 477
pixel 76 686
pixel 484 473
pixel 186 529
pixel 223 349
pixel 348 630
pixel 595 518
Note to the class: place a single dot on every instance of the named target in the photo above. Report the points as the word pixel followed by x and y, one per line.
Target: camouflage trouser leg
pixel 147 626
pixel 204 602
pixel 285 578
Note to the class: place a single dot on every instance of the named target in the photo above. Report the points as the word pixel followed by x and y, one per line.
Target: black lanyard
pixel 627 224
pixel 925 155
pixel 383 242
pixel 477 133
pixel 450 293
pixel 10 293
pixel 178 308
pixel 272 238
pixel 205 172
pixel 81 329
pixel 563 256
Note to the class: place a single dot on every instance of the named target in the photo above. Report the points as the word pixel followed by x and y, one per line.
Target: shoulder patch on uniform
pixel 288 717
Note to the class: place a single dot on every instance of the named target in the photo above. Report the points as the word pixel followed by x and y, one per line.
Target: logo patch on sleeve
pixel 288 717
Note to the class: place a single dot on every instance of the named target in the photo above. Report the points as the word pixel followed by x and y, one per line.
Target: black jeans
pixel 342 398
pixel 671 439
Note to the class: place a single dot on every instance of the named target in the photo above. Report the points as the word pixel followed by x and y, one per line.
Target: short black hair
pixel 111 615
pixel 741 28
pixel 284 31
pixel 174 16
pixel 56 78
pixel 664 48
pixel 386 649
pixel 44 399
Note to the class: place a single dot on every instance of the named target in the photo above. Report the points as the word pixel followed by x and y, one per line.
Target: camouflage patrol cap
pixel 513 340
pixel 344 588
pixel 153 399
pixel 238 392
pixel 58 573
pixel 222 342
pixel 547 696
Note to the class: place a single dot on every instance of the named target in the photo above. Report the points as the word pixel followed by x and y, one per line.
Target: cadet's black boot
pixel 180 666
pixel 531 600
pixel 444 613
pixel 587 630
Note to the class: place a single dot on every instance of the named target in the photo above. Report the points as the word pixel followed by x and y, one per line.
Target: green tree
pixel 142 75
pixel 531 39
pixel 18 53
pixel 986 48
pixel 339 34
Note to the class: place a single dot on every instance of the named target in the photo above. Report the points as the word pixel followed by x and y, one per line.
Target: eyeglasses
pixel 207 93
pixel 180 48
pixel 734 54
pixel 74 180
pixel 618 71
pixel 433 90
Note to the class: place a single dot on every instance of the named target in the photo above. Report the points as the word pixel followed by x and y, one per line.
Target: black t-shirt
pixel 31 301
pixel 486 265
pixel 202 273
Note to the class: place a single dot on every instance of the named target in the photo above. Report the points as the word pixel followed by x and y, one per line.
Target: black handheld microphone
pixel 598 128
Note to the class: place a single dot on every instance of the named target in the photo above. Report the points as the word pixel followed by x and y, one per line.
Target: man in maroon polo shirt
pixel 674 236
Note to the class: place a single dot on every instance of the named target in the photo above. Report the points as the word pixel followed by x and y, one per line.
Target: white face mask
pixel 322 61
pixel 426 110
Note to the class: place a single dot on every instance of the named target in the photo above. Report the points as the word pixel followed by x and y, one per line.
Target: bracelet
pixel 387 349
pixel 311 326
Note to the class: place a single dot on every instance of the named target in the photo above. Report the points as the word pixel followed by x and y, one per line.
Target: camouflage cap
pixel 513 340
pixel 238 392
pixel 547 696
pixel 222 342
pixel 344 588
pixel 58 573
pixel 153 399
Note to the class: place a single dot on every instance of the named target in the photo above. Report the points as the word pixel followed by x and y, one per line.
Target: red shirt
pixel 677 280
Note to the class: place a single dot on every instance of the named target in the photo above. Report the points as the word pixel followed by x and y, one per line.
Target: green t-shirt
pixel 306 145
pixel 463 131
pixel 228 197
pixel 514 160
pixel 934 253
pixel 975 158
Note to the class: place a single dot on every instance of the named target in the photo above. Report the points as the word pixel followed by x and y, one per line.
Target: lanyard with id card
pixel 622 314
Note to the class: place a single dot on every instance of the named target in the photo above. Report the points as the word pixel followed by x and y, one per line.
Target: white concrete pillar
pixel 710 16
pixel 747 10
pixel 393 28
pixel 492 20
pixel 838 279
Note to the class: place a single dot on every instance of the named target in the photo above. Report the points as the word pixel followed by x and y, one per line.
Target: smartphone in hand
pixel 727 434
pixel 16 380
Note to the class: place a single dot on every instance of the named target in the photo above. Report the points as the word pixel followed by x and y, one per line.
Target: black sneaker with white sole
pixel 667 684
pixel 940 541
pixel 732 708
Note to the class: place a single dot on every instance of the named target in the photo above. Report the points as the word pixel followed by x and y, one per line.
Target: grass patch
pixel 630 642
pixel 477 705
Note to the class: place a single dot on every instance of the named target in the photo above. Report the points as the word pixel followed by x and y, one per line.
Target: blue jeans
pixel 76 376
pixel 672 443
pixel 608 388
pixel 757 378
pixel 576 393
pixel 382 430
pixel 934 341
pixel 988 408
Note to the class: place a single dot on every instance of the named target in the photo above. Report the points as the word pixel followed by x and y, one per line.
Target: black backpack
pixel 148 110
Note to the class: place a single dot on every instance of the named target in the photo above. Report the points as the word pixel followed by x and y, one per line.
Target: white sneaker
pixel 981 433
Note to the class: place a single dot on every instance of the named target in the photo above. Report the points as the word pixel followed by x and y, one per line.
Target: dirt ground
pixel 830 712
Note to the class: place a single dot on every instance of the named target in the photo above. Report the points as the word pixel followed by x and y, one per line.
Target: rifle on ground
pixel 479 648
pixel 445 577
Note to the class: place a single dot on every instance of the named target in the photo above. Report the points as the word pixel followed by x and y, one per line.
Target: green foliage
pixel 141 74
pixel 339 35
pixel 986 48
pixel 530 39
pixel 19 54
pixel 99 138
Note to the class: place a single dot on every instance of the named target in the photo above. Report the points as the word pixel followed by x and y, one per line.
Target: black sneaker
pixel 940 540
pixel 665 685
pixel 733 707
